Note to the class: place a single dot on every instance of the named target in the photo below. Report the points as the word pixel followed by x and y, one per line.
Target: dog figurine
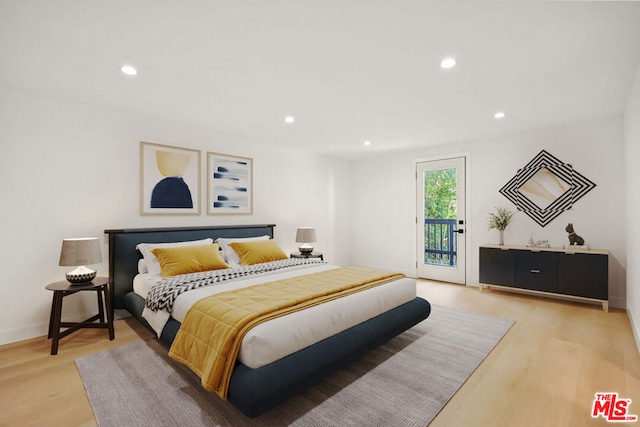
pixel 574 239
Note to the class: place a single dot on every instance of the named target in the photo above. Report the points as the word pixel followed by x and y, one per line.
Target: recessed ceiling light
pixel 129 70
pixel 448 63
pixel 289 119
pixel 499 115
pixel 367 143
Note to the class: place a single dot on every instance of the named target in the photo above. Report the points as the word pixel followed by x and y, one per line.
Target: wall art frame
pixel 169 180
pixel 229 184
pixel 546 187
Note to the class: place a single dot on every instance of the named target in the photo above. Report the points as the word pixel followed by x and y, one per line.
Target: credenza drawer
pixel 543 261
pixel 537 280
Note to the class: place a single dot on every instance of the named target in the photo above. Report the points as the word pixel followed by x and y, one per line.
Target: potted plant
pixel 500 220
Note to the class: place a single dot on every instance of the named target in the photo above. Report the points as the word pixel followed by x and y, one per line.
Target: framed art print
pixel 229 184
pixel 169 180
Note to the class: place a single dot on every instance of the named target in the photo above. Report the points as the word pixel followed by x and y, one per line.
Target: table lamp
pixel 80 252
pixel 305 235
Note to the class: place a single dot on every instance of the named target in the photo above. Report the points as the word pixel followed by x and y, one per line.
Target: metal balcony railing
pixel 440 241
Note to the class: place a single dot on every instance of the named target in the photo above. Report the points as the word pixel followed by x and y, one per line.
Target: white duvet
pixel 277 338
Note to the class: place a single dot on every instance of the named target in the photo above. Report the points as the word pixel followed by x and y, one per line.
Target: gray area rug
pixel 404 382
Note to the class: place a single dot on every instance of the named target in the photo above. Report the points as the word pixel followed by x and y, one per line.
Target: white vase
pixel 501 237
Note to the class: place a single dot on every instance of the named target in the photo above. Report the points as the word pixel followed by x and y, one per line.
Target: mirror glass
pixel 544 188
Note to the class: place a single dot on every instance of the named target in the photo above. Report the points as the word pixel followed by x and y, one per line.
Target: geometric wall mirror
pixel 545 187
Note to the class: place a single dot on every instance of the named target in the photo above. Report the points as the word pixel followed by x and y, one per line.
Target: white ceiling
pixel 348 70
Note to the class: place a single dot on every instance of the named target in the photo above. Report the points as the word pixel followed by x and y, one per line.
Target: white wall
pixel 71 170
pixel 383 199
pixel 632 154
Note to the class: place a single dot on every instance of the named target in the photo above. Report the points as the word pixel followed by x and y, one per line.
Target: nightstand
pixel 307 255
pixel 61 289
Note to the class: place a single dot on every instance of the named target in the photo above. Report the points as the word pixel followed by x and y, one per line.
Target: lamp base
pixel 80 275
pixel 305 249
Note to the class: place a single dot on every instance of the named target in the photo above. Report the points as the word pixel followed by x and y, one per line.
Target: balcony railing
pixel 440 242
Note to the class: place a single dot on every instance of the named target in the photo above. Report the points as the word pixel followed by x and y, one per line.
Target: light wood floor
pixel 548 367
pixel 544 372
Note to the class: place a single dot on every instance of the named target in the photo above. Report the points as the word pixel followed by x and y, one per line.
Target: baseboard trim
pixel 41 330
pixel 636 332
pixel 21 334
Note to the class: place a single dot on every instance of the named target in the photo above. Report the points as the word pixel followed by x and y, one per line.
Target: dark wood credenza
pixel 581 274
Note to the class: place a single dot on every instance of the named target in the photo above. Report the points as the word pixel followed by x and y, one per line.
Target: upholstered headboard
pixel 123 256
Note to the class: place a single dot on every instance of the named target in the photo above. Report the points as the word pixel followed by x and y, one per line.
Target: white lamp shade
pixel 81 251
pixel 305 235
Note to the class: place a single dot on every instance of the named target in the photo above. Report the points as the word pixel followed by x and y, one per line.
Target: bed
pixel 255 390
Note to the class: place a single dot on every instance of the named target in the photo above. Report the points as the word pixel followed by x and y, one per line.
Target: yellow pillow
pixel 189 259
pixel 258 251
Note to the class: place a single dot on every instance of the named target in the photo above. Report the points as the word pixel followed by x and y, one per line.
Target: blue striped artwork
pixel 230 181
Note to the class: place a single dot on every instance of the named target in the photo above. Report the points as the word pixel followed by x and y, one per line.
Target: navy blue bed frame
pixel 255 391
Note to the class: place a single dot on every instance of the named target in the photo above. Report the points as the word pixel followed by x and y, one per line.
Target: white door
pixel 441 220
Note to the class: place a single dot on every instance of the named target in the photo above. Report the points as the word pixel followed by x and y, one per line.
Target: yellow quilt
pixel 209 339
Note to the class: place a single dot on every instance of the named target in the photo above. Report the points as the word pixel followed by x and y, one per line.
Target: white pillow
pixel 153 265
pixel 230 256
pixel 142 266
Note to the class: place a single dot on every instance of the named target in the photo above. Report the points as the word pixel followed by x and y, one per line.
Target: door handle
pixel 460 231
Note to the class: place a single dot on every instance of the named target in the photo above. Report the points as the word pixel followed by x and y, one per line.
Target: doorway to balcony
pixel 441 220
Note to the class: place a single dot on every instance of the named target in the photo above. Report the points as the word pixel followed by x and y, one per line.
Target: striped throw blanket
pixel 163 294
